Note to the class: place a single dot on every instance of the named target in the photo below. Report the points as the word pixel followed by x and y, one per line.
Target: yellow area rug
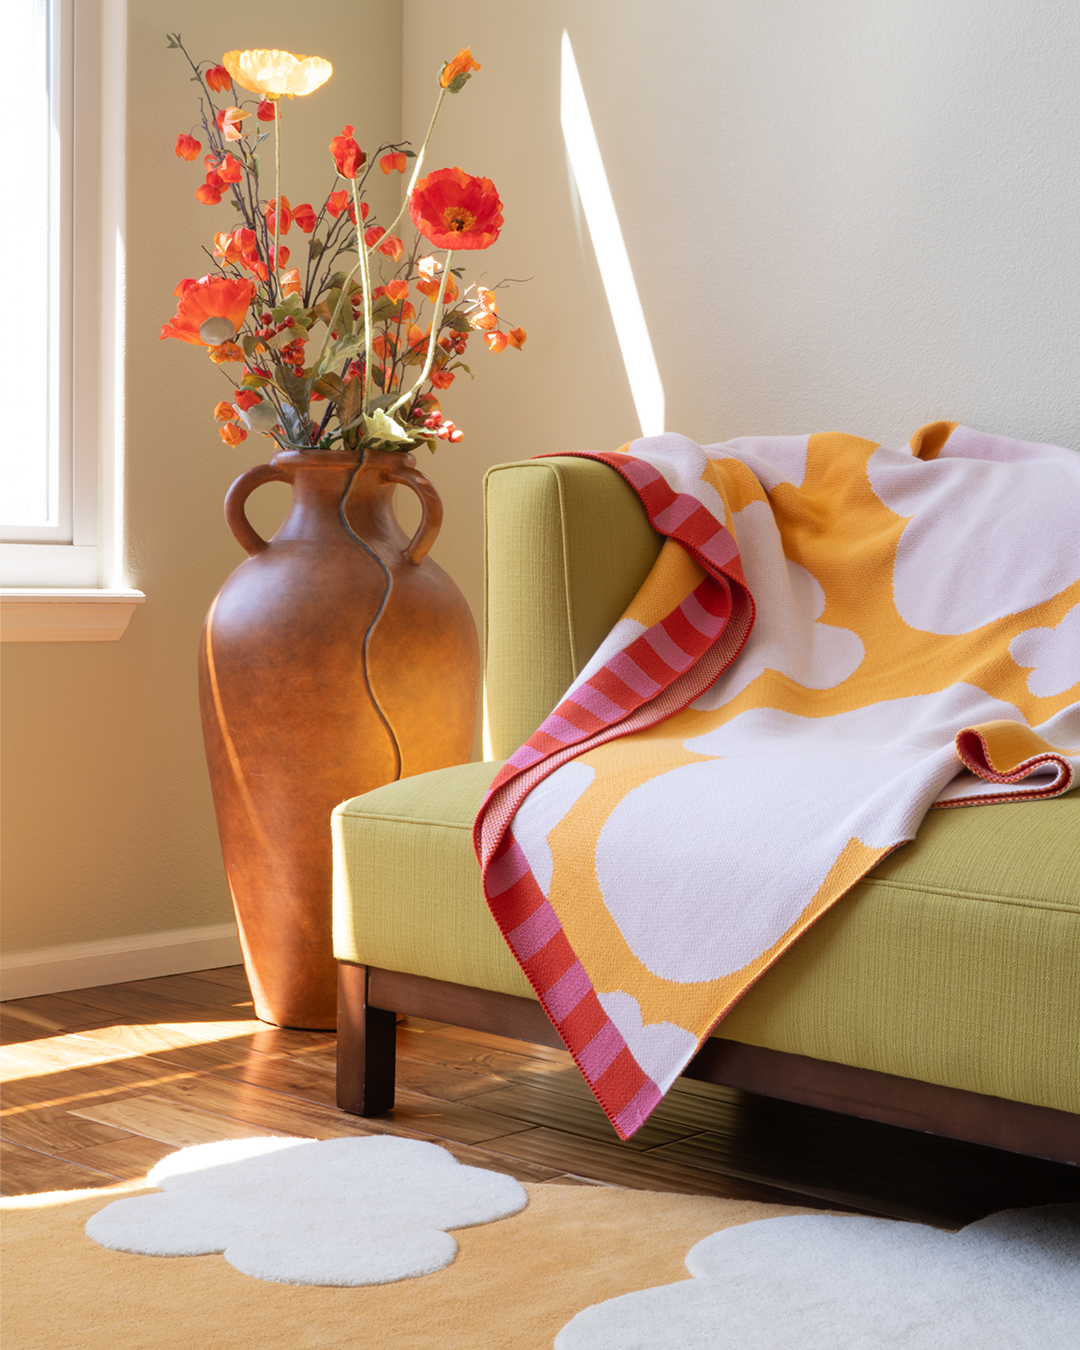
pixel 514 1284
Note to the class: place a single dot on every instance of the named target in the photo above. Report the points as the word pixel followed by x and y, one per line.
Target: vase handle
pixel 235 499
pixel 432 512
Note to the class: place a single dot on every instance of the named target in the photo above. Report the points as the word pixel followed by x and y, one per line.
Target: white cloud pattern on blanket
pixel 951 573
pixel 825 1282
pixel 890 760
pixel 1051 655
pixel 301 1211
pixel 786 636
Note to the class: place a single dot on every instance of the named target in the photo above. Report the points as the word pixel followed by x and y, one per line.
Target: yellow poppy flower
pixel 275 73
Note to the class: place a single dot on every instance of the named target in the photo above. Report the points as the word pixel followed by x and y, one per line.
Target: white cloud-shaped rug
pixel 825 1282
pixel 301 1211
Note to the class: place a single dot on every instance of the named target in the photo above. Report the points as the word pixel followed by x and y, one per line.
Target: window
pixel 55 525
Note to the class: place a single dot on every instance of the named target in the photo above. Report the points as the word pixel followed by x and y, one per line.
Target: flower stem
pixel 365 281
pixel 419 162
pixel 436 319
pixel 277 197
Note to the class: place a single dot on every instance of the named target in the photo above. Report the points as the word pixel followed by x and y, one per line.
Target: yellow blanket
pixel 836 637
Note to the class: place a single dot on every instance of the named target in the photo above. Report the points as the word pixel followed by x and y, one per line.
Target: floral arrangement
pixel 327 354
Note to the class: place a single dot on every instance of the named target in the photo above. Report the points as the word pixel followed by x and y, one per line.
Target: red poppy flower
pixel 455 210
pixel 398 161
pixel 247 398
pixel 266 111
pixel 347 154
pixel 209 193
pixel 209 298
pixel 304 216
pixel 337 202
pixel 218 78
pixel 187 147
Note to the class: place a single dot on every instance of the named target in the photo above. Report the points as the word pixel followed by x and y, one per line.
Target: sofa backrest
pixel 568 545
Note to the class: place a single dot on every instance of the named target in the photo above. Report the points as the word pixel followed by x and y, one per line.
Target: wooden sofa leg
pixel 365 1047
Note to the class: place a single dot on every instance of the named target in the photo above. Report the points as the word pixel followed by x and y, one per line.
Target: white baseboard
pixel 55 969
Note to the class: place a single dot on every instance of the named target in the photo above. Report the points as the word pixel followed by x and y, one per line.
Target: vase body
pixel 333 660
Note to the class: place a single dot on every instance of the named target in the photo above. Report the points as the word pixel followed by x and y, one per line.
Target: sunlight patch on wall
pixel 591 182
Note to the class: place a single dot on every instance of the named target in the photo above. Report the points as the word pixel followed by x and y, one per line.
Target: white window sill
pixel 56 614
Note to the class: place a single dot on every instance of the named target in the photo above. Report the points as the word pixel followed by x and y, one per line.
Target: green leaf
pixel 460 365
pixel 253 382
pixel 295 390
pixel 315 247
pixel 383 308
pixel 172 42
pixel 342 350
pixel 458 321
pixel 251 346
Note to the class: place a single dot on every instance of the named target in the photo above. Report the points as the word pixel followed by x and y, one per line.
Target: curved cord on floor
pixel 371 626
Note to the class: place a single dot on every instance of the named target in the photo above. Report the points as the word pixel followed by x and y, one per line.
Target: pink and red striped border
pixel 656 675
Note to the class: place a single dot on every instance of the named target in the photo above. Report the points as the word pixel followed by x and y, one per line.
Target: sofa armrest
pixel 568 545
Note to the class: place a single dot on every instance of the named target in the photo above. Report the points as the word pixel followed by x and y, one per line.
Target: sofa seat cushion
pixel 955 961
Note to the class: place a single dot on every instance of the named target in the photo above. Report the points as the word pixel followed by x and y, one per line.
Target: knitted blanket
pixel 836 636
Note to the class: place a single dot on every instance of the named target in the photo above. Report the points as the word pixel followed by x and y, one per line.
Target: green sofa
pixel 942 994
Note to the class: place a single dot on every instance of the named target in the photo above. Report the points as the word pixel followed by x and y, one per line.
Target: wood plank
pixel 190 989
pixel 573 1115
pixel 51 1129
pixel 178 1123
pixel 232 977
pixel 24 1171
pixel 127 1158
pixel 56 1090
pixel 527 1049
pixel 621 1166
pixel 50 1012
pixel 433 1049
pixel 129 1000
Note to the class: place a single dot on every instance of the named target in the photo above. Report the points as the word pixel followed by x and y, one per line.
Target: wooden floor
pixel 101 1083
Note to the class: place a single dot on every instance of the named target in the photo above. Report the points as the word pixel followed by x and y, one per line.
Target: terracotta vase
pixel 336 658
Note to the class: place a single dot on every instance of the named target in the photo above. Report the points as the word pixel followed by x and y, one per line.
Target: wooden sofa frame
pixel 369 1001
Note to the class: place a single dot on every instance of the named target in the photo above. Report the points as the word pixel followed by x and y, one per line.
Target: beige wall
pixel 109 826
pixel 839 213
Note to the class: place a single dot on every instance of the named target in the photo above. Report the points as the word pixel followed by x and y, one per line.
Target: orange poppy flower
pixel 209 193
pixel 389 244
pixel 247 398
pixel 337 202
pixel 348 156
pixel 276 73
pixel 232 435
pixel 230 170
pixel 266 111
pixel 442 379
pixel 187 147
pixel 398 160
pixel 484 321
pixel 396 290
pixel 228 123
pixel 285 215
pixel 516 337
pixel 209 298
pixel 224 412
pixel 456 72
pixel 225 351
pixel 455 210
pixel 290 282
pixel 495 341
pixel 218 78
pixel 304 216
